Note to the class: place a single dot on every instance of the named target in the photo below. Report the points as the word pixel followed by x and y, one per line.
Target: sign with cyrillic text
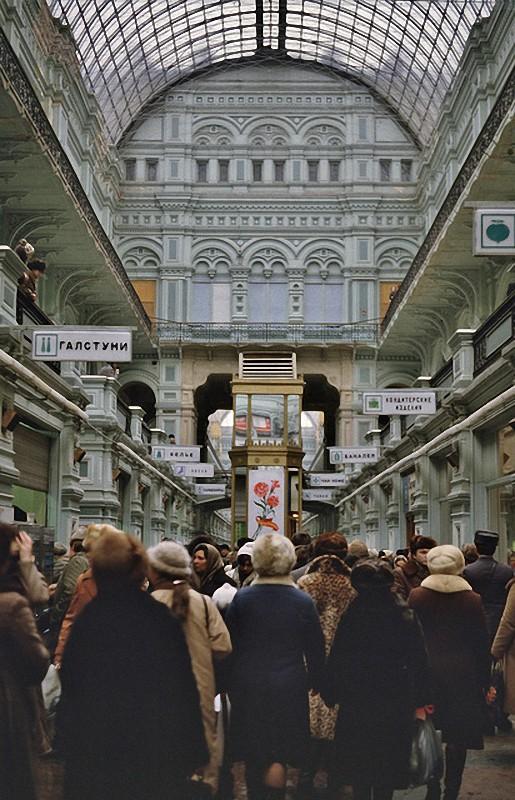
pixel 353 455
pixel 210 489
pixel 399 402
pixel 328 479
pixel 172 453
pixel 318 495
pixel 494 231
pixel 82 344
pixel 194 470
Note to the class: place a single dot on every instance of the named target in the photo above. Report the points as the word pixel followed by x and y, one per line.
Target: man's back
pixel 489 578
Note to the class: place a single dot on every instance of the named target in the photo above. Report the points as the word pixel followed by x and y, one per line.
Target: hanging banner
pixel 328 478
pixel 77 343
pixel 210 489
pixel 194 470
pixel 399 402
pixel 266 502
pixel 318 495
pixel 172 453
pixel 353 455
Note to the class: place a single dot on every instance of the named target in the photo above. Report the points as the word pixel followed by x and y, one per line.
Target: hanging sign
pixel 74 343
pixel 399 402
pixel 494 231
pixel 353 455
pixel 194 470
pixel 266 503
pixel 173 453
pixel 328 478
pixel 318 495
pixel 210 489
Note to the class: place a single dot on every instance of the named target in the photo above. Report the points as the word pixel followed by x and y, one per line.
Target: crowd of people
pixel 175 663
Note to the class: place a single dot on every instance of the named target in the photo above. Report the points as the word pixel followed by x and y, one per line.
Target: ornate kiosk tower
pixel 266 453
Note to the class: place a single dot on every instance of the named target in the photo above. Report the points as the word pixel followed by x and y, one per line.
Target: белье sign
pixel 51 343
pixel 399 402
pixel 172 453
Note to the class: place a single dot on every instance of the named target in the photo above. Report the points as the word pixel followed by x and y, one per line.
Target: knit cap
pixel 445 559
pixel 170 558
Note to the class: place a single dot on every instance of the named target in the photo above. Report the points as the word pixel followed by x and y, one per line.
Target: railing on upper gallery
pixel 29 314
pixel 264 332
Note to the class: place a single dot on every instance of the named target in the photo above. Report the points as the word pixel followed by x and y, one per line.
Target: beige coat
pixel 207 637
pixel 504 647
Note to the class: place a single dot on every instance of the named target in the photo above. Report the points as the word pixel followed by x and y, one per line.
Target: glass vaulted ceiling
pixel 407 51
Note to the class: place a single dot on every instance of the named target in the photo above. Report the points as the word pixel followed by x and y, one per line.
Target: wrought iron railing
pixel 265 332
pixel 494 334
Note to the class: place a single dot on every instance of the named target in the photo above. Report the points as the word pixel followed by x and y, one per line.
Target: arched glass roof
pixel 408 51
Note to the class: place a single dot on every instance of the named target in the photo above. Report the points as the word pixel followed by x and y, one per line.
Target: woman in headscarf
pixel 129 717
pixel 278 656
pixel 377 674
pixel 206 634
pixel 209 568
pixel 23 664
pixel 454 625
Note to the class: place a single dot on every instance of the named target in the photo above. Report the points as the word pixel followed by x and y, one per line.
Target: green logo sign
pixel 498 232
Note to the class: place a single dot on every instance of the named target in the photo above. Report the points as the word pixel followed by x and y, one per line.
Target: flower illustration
pixel 266 502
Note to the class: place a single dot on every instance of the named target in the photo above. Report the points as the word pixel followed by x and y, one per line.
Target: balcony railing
pixel 265 332
pixel 29 314
pixel 497 330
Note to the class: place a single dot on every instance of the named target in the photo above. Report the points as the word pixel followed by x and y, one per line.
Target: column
pixel 71 491
pixel 137 415
pixel 239 295
pixel 295 295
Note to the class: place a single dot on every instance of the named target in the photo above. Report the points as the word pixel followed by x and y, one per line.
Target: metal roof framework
pixel 406 51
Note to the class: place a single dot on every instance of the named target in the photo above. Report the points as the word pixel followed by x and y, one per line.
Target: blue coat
pixel 278 654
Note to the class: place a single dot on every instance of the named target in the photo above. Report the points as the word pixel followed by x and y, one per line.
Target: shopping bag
pixel 51 688
pixel 426 762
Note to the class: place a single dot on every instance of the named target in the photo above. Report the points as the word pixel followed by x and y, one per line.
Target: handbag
pixel 426 760
pixel 51 689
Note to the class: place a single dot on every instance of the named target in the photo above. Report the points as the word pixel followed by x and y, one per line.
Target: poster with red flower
pixel 266 510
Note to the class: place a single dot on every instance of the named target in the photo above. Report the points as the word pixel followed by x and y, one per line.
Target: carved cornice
pixel 19 87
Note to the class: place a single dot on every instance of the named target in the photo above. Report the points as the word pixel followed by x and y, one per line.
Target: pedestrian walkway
pixel 489 774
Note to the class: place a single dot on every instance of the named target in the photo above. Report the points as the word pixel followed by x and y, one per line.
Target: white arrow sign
pixel 81 343
pixel 173 453
pixel 399 402
pixel 194 470
pixel 328 479
pixel 353 455
pixel 320 495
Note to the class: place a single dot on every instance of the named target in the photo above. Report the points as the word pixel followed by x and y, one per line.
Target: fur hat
pixel 372 575
pixel 273 554
pixel 422 543
pixel 358 548
pixel 35 264
pixel 446 559
pixel 170 558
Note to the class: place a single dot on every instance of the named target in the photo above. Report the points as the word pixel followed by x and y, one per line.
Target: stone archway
pixel 137 393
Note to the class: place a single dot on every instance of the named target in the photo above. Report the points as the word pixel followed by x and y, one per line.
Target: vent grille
pixel 255 366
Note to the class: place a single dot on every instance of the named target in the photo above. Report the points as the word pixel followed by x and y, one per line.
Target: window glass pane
pixel 313 171
pixel 296 170
pixel 223 171
pixel 385 169
pixel 279 171
pixel 257 171
pixel 240 170
pixel 240 419
pixel 174 128
pixel 363 169
pixel 174 169
pixel 267 419
pixel 172 249
pixel 362 128
pixel 363 249
pixel 406 169
pixel 151 170
pixel 130 169
pixel 334 171
pixel 202 171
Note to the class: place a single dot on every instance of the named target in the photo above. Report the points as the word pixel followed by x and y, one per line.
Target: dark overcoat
pixel 278 654
pixel 129 722
pixel 490 579
pixel 23 663
pixel 377 673
pixel 458 648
